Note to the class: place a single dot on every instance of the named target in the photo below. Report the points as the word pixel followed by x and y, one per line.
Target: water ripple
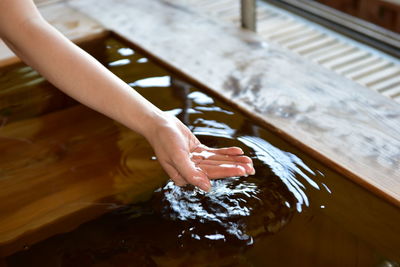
pixel 285 165
pixel 240 209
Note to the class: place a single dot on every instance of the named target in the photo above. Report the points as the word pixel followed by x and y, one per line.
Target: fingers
pixel 187 169
pixel 207 156
pixel 248 166
pixel 223 170
pixel 197 157
pixel 223 151
pixel 174 175
pixel 203 164
pixel 198 173
pixel 227 150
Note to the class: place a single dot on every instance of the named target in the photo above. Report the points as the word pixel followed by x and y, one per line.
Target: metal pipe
pixel 248 14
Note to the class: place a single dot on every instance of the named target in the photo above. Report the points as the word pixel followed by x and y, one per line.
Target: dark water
pixel 292 212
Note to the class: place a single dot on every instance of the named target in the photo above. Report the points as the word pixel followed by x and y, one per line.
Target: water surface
pixel 292 212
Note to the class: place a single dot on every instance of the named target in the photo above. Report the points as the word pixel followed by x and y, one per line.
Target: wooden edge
pixel 352 27
pixel 63 224
pixel 364 26
pixel 259 119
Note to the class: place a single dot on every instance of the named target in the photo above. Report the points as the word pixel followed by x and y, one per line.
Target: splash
pixel 217 215
pixel 285 165
pixel 240 209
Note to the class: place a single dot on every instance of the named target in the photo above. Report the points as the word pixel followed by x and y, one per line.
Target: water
pixel 292 212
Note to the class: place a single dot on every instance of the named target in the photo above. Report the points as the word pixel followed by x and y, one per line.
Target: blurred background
pixel 385 13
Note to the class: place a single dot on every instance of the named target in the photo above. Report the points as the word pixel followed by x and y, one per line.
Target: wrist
pixel 149 124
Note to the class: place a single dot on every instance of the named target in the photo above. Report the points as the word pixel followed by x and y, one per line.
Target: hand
pixel 187 161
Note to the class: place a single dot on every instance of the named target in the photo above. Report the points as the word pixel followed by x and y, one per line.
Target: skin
pixel 79 75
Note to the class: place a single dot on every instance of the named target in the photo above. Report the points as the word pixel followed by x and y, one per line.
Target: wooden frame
pixel 343 23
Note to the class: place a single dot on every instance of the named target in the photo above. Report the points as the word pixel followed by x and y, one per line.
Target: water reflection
pixel 212 128
pixel 221 212
pixel 285 165
pixel 237 209
pixel 142 60
pixel 120 62
pixel 124 51
pixel 240 209
pixel 163 81
pixel 200 98
pixel 185 226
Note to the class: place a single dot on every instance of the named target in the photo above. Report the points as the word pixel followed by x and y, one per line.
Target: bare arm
pixel 70 68
pixel 79 75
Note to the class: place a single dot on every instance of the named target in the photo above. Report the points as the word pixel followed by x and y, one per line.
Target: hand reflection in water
pixel 187 161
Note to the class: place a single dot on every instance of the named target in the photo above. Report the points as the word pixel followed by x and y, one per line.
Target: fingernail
pixel 249 161
pixel 203 185
pixel 244 172
pixel 253 171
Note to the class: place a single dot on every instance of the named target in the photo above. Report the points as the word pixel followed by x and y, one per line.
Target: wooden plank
pixel 25 94
pixel 54 173
pixel 68 21
pixel 345 125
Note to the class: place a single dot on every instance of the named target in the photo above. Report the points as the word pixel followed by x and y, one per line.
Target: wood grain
pixel 349 127
pixel 65 168
pixel 25 94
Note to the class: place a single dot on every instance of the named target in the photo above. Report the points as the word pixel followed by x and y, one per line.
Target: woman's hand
pixel 79 75
pixel 187 161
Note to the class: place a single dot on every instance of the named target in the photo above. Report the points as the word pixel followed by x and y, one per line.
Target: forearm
pixel 79 75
